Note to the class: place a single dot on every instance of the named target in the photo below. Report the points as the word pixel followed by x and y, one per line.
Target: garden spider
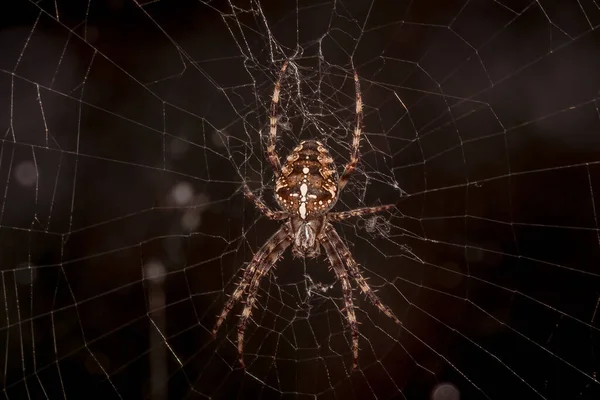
pixel 307 187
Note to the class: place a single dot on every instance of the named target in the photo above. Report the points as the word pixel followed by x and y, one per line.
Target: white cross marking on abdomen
pixel 302 208
pixel 303 191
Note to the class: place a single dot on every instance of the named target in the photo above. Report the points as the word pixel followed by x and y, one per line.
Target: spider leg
pixel 269 248
pixel 356 137
pixel 359 212
pixel 262 207
pixel 342 275
pixel 354 271
pixel 262 270
pixel 272 154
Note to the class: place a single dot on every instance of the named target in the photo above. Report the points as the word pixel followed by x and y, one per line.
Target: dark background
pixel 491 260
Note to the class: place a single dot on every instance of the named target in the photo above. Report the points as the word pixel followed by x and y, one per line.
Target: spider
pixel 307 187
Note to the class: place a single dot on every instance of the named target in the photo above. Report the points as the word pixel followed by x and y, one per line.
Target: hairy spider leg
pixel 342 275
pixel 262 207
pixel 355 139
pixel 340 258
pixel 358 212
pixel 354 272
pixel 261 271
pixel 271 153
pixel 270 247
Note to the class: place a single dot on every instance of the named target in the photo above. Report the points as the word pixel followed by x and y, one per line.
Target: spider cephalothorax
pixel 307 187
pixel 306 233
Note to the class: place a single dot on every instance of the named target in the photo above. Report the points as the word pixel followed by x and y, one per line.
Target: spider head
pixel 305 237
pixel 308 183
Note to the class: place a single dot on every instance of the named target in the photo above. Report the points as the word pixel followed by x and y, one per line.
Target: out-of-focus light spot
pixel 190 220
pixel 25 274
pixel 26 173
pixel 182 193
pixel 155 271
pixel 445 391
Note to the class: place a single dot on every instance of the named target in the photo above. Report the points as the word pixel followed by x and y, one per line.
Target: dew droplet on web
pixel 26 173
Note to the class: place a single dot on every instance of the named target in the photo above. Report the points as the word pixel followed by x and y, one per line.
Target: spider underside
pixel 307 187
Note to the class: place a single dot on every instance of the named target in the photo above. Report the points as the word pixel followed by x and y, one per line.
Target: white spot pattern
pixel 303 191
pixel 302 208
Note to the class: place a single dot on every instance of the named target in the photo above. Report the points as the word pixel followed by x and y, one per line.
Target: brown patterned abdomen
pixel 308 182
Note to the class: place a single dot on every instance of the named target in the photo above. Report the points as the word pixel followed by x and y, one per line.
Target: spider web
pixel 129 128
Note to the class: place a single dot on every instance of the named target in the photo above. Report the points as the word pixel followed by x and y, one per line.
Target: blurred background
pixel 129 128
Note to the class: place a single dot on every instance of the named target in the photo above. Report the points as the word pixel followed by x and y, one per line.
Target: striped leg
pixel 261 271
pixel 262 207
pixel 271 153
pixel 269 248
pixel 342 275
pixel 354 271
pixel 355 139
pixel 359 212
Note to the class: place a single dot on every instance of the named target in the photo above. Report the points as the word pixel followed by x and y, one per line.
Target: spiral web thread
pixel 130 127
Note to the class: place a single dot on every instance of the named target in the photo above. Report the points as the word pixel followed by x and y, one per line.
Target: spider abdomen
pixel 307 185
